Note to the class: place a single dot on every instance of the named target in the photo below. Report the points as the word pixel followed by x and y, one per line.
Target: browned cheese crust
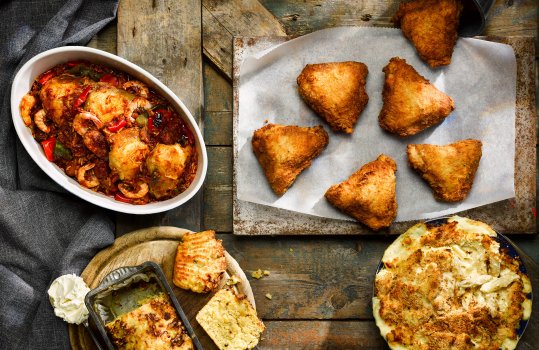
pixel 427 302
pixel 200 262
pixel 335 91
pixel 369 194
pixel 411 102
pixel 431 26
pixel 449 170
pixel 285 151
pixel 154 325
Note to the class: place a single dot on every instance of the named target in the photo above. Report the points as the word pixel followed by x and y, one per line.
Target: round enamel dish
pixel 37 65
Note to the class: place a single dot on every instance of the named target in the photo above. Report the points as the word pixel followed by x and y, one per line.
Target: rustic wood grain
pixel 304 16
pixel 298 275
pixel 509 216
pixel 316 335
pixel 217 91
pixel 224 19
pixel 157 244
pixel 106 39
pixel 217 108
pixel 310 277
pixel 164 37
pixel 218 189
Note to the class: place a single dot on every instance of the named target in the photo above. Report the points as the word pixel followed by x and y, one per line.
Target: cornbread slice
pixel 153 325
pixel 200 262
pixel 231 321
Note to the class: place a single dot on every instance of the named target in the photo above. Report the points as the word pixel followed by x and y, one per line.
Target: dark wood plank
pixel 164 37
pixel 217 210
pixel 507 18
pixel 217 108
pixel 106 39
pixel 218 190
pixel 310 278
pixel 217 91
pixel 218 128
pixel 327 335
pixel 304 16
pixel 224 19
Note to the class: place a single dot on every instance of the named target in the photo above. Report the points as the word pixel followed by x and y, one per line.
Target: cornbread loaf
pixel 200 262
pixel 231 321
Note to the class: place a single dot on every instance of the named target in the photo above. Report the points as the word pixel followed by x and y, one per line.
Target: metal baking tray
pixel 120 292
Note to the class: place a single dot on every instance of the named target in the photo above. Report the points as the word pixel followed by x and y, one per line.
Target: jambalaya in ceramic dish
pixel 110 132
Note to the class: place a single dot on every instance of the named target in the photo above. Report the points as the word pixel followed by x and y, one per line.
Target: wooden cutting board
pixel 157 244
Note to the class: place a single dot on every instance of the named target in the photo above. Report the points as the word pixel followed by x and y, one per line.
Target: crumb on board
pixel 269 296
pixel 233 280
pixel 258 274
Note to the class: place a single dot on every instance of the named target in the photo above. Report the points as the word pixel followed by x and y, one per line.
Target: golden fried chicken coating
pixel 369 194
pixel 335 91
pixel 284 151
pixel 411 102
pixel 449 170
pixel 431 25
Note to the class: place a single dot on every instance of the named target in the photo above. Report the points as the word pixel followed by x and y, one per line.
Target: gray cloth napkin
pixel 45 232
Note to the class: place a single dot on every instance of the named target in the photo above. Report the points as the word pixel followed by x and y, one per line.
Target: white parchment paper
pixel 481 80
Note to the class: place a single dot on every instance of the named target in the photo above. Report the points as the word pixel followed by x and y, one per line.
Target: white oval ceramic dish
pixel 22 84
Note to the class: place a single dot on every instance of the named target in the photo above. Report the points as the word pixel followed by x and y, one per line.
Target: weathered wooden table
pixel 321 286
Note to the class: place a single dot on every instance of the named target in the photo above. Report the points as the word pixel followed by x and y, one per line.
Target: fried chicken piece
pixel 369 194
pixel 431 26
pixel 285 151
pixel 449 170
pixel 411 102
pixel 335 91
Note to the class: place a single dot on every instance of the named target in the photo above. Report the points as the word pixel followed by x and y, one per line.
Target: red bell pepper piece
pixel 46 77
pixel 75 63
pixel 121 198
pixel 82 97
pixel 109 78
pixel 48 148
pixel 117 126
pixel 158 119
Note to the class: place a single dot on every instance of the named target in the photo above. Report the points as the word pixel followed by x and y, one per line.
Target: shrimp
pixel 80 123
pixel 39 119
pixel 96 143
pixel 136 87
pixel 136 103
pixel 87 181
pixel 27 103
pixel 134 193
